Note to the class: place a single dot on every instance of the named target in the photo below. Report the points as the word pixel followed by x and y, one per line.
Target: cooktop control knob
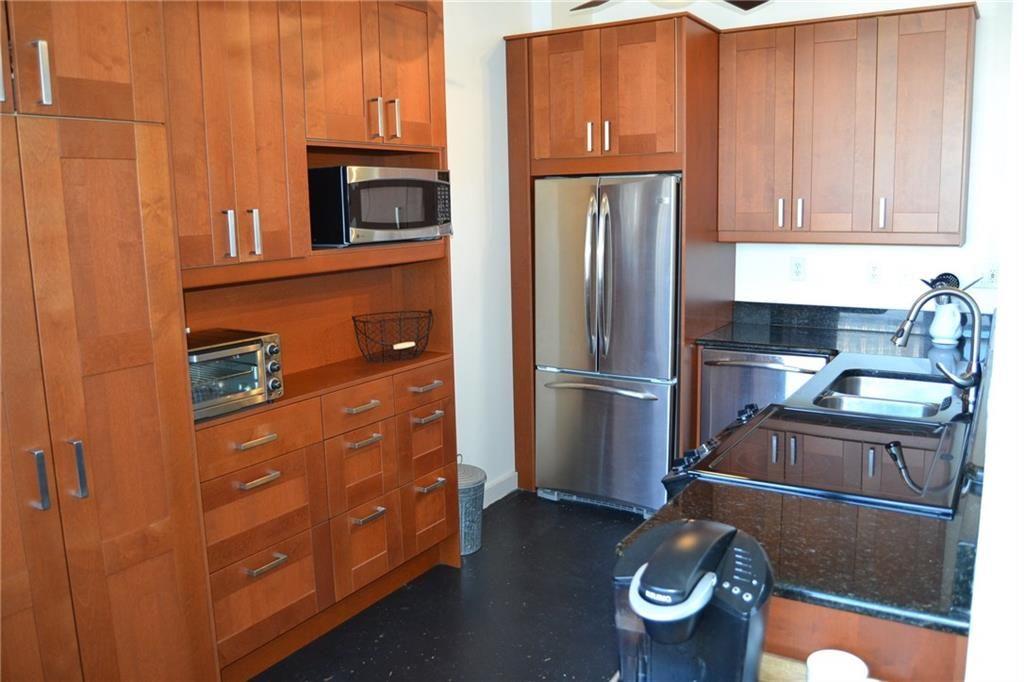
pixel 273 366
pixel 273 349
pixel 274 384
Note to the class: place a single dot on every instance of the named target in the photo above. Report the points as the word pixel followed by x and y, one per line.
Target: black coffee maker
pixel 690 604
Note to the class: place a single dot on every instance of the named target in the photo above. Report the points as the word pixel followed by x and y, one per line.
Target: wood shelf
pixel 317 381
pixel 318 262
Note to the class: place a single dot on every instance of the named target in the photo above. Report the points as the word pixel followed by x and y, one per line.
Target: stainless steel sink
pixel 905 396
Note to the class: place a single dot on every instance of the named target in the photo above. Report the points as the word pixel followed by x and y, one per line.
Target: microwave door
pixel 397 209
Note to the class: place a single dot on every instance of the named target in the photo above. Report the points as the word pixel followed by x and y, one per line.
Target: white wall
pixel 478 160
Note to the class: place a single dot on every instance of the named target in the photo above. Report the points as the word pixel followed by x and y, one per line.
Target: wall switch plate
pixel 990 280
pixel 797 269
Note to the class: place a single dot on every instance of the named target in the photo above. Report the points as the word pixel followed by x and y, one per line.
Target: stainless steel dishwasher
pixel 730 379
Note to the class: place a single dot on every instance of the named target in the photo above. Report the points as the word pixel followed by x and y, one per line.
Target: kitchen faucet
pixel 972 375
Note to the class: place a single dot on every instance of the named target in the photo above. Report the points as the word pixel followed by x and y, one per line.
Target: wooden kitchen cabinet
pixel 110 323
pixel 94 60
pixel 238 155
pixel 374 71
pixel 426 439
pixel 565 94
pixel 37 626
pixel 823 462
pixel 755 131
pixel 923 102
pixel 361 465
pixel 430 510
pixel 366 543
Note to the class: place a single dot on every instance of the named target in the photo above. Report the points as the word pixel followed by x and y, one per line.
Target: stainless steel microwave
pixel 351 205
pixel 231 369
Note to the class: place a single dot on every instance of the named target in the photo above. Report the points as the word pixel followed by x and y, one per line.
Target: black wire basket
pixel 398 335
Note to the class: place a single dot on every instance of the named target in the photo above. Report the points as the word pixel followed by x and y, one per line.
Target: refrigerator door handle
pixel 604 275
pixel 588 259
pixel 625 393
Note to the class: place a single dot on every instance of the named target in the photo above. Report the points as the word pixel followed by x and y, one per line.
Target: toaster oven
pixel 231 369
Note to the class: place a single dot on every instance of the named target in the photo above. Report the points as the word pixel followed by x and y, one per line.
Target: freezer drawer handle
pixel 625 393
pixel 777 366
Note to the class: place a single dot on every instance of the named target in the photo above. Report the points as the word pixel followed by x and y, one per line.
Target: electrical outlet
pixel 990 280
pixel 874 273
pixel 797 269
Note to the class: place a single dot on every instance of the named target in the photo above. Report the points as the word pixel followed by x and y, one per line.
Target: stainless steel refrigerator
pixel 605 317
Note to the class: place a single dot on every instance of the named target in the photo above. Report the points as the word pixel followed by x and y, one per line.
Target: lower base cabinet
pixel 430 510
pixel 366 543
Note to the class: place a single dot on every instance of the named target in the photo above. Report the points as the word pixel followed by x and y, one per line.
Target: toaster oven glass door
pixel 233 376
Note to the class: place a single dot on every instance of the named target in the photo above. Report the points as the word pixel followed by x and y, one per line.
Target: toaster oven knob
pixel 273 366
pixel 274 384
pixel 273 349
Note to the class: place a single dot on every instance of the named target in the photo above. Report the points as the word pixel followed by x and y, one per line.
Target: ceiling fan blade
pixel 589 4
pixel 746 4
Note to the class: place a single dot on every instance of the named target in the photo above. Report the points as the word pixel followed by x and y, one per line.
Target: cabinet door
pixel 341 71
pixel 638 88
pixel 366 543
pixel 834 125
pixel 91 59
pixel 755 130
pixel 430 510
pixel 361 465
pixel 412 71
pixel 426 439
pixel 922 122
pixel 36 619
pixel 111 331
pixel 822 462
pixel 565 94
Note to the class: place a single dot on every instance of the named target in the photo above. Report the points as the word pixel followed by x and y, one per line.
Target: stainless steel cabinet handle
pixel 624 392
pixel 3 87
pixel 271 476
pixel 799 213
pixel 45 84
pixel 781 213
pixel 590 136
pixel 871 462
pixel 44 486
pixel 607 135
pixel 256 442
pixel 436 383
pixel 604 313
pixel 433 417
pixel 775 448
pixel 398 116
pixel 83 481
pixel 359 444
pixel 439 483
pixel 232 233
pixel 588 250
pixel 279 558
pixel 777 366
pixel 379 101
pixel 376 514
pixel 792 450
pixel 881 213
pixel 257 232
pixel 365 407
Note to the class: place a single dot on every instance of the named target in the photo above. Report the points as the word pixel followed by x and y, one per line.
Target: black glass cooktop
pixel 906 465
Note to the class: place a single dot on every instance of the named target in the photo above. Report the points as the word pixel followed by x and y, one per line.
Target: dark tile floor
pixel 535 603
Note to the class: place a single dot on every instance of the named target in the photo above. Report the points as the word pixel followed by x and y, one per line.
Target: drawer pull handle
pixel 436 383
pixel 279 558
pixel 44 487
pixel 439 483
pixel 256 442
pixel 271 476
pixel 83 481
pixel 376 514
pixel 359 444
pixel 420 421
pixel 366 407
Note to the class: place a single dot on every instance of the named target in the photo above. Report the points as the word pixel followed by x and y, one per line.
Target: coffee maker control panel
pixel 742 576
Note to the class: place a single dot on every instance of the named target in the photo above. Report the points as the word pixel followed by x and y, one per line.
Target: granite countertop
pixel 905 567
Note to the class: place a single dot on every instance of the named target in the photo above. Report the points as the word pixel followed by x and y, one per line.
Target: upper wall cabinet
pixel 238 152
pixel 848 131
pixel 89 59
pixel 604 92
pixel 374 72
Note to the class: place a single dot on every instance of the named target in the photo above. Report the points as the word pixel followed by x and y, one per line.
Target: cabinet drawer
pixel 258 598
pixel 361 465
pixel 426 439
pixel 423 385
pixel 430 510
pixel 257 506
pixel 366 542
pixel 232 446
pixel 357 406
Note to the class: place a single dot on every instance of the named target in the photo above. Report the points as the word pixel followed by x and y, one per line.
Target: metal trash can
pixel 471 506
